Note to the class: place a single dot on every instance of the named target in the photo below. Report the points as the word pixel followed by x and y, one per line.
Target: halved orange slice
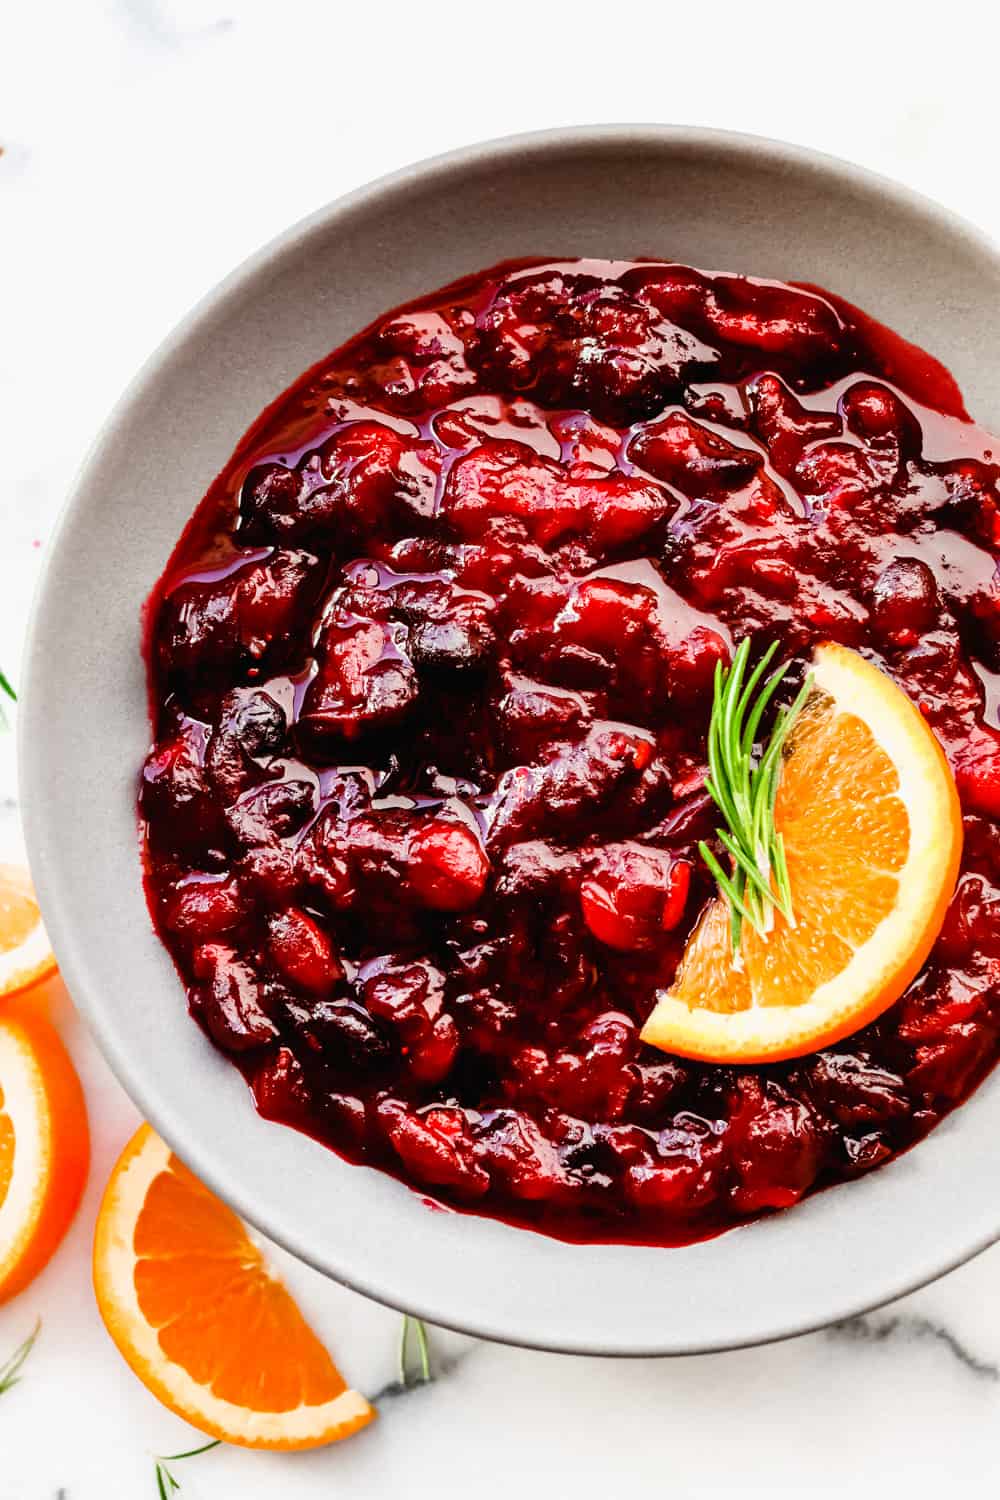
pixel 25 955
pixel 44 1144
pixel 187 1297
pixel 873 836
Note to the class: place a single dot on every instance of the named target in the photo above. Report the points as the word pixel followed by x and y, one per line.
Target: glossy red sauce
pixel 430 673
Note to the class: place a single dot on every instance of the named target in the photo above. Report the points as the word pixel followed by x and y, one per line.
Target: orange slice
pixel 873 836
pixel 25 955
pixel 44 1144
pixel 189 1301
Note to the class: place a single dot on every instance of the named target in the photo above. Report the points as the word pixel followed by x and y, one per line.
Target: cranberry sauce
pixel 430 675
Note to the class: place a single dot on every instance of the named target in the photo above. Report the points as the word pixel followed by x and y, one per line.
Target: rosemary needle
pixel 743 783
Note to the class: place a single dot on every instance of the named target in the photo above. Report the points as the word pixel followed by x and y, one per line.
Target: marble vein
pixel 908 1328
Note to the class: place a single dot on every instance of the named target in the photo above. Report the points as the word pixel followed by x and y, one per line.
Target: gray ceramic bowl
pixel 721 201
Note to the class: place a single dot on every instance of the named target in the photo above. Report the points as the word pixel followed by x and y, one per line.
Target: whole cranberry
pixel 446 866
pixel 905 601
pixel 632 894
pixel 302 952
pixel 205 907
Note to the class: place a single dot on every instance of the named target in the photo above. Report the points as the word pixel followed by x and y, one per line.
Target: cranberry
pixel 272 811
pixel 775 1147
pixel 684 1172
pixel 237 623
pixel 880 418
pixel 436 1146
pixel 342 1033
pixel 693 458
pixel 205 907
pixel 303 953
pixel 226 999
pixel 629 894
pixel 366 476
pixel 174 795
pixel 363 682
pixel 280 1088
pixel 516 1152
pixel 856 1092
pixel 446 866
pixel 905 601
pixel 251 729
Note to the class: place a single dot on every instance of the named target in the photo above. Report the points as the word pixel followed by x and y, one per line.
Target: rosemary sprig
pixel 743 784
pixel 10 1373
pixel 413 1326
pixel 166 1484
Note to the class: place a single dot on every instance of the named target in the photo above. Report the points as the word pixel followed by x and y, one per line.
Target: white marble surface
pixel 148 145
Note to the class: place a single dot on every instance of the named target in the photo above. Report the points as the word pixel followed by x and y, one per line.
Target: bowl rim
pixel 697 139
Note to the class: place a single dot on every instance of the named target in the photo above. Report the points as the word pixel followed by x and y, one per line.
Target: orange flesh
pixel 19 916
pixel 846 835
pixel 6 1151
pixel 202 1283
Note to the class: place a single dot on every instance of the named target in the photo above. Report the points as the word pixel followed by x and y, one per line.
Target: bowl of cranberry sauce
pixel 415 703
pixel 431 672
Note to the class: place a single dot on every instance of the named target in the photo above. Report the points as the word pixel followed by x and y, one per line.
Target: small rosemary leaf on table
pixel 166 1483
pixel 416 1327
pixel 10 1373
pixel 5 687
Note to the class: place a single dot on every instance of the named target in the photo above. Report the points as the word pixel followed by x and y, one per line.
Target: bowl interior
pixel 715 201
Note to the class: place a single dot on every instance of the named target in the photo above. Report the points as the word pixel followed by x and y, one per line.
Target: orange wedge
pixel 44 1144
pixel 870 817
pixel 188 1299
pixel 25 955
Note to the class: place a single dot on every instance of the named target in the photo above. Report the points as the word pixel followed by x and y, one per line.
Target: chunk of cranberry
pixel 631 894
pixel 693 458
pixel 856 1092
pixel 774 1147
pixel 972 922
pixel 175 798
pixel 341 1034
pixel 786 426
pixel 205 907
pixel 236 623
pixel 609 777
pixel 516 1153
pixel 878 416
pixel 446 866
pixel 251 728
pixel 227 999
pixel 302 951
pixel 677 1171
pixel 977 771
pixel 364 681
pixel 280 1089
pixel 595 1079
pixel 436 1146
pixel 530 716
pixel 659 1087
pixel 367 477
pixel 431 1059
pixel 506 479
pixel 271 812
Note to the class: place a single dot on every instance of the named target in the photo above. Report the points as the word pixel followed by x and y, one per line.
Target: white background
pixel 148 146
